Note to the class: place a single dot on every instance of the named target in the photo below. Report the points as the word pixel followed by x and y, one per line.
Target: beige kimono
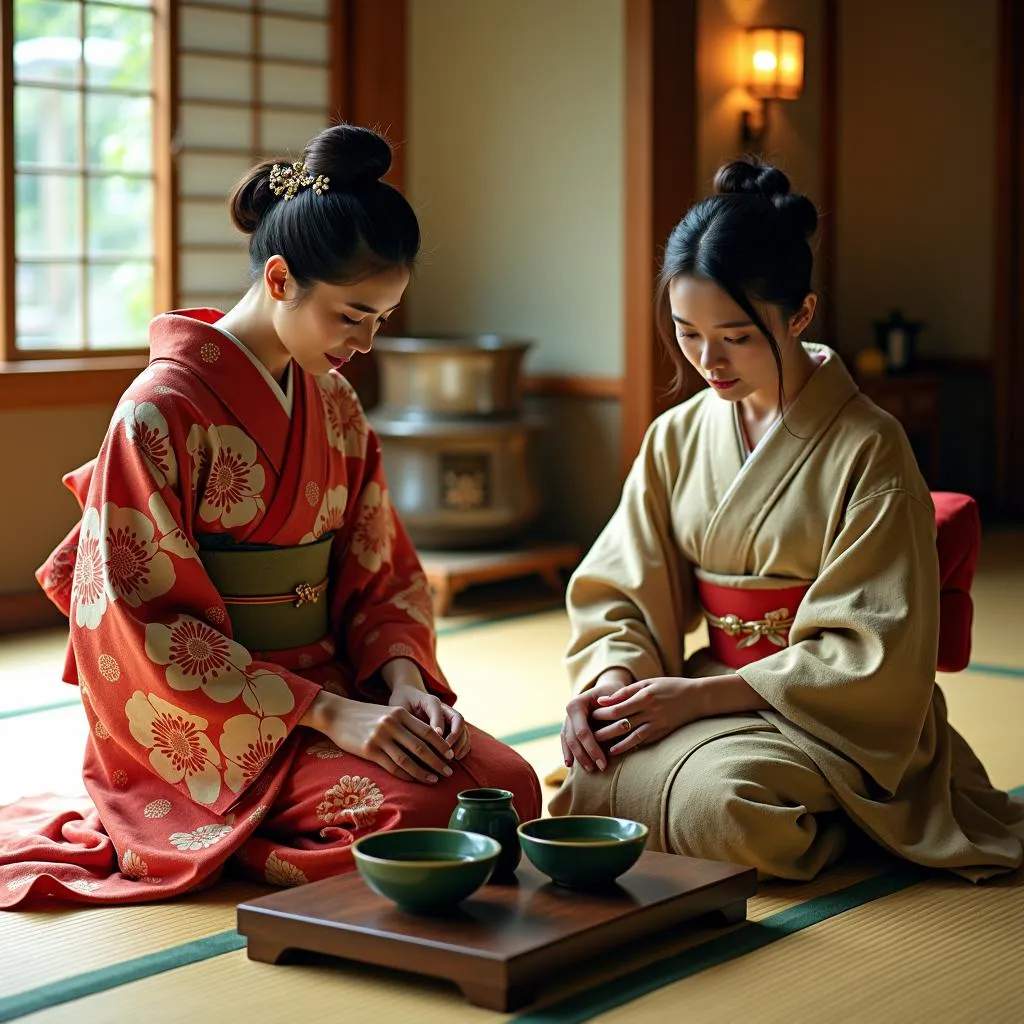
pixel 831 497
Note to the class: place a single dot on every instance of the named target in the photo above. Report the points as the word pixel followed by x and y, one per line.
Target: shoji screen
pixel 253 81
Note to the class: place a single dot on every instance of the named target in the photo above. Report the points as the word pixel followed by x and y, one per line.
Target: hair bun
pixel 252 198
pixel 752 177
pixel 799 211
pixel 349 155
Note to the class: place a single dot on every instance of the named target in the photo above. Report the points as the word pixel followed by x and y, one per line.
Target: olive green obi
pixel 276 597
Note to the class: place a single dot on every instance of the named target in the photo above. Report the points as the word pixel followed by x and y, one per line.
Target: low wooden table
pixel 450 572
pixel 499 945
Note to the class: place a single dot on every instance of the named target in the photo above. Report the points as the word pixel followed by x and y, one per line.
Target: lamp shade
pixel 775 63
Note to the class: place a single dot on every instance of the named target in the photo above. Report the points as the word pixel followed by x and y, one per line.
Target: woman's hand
pixel 647 711
pixel 445 721
pixel 403 677
pixel 579 744
pixel 392 736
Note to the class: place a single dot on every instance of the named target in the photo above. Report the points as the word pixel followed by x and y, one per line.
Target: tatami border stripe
pixel 748 938
pixel 976 667
pixel 995 670
pixel 576 1009
pixel 466 627
pixel 580 1007
pixel 452 630
pixel 540 732
pixel 36 709
pixel 80 985
pixel 91 982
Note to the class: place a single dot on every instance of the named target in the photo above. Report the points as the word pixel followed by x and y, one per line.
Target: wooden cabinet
pixel 915 399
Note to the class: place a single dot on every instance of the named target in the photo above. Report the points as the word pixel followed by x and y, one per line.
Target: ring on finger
pixel 629 725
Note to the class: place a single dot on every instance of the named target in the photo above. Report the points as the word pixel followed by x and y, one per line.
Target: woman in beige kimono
pixel 785 508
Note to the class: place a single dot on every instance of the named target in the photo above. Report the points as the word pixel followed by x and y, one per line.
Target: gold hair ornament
pixel 287 180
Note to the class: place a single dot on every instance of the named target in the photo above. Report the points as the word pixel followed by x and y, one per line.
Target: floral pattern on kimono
pixel 196 753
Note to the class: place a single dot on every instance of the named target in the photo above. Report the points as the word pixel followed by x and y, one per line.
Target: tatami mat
pixel 876 941
pixel 30 670
pixel 508 675
pixel 998 594
pixel 77 941
pixel 230 985
pixel 988 711
pixel 940 951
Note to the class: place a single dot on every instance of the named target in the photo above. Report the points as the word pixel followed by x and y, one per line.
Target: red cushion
pixel 958 541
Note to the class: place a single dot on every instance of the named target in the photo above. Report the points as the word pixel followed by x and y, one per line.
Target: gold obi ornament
pixel 747 623
pixel 276 597
pixel 774 627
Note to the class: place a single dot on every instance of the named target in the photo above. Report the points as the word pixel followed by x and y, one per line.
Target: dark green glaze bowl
pixel 582 851
pixel 425 869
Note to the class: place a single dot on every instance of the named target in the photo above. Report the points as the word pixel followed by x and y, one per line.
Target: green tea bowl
pixel 425 870
pixel 583 851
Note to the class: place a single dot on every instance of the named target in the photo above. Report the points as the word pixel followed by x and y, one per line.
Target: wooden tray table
pixel 499 945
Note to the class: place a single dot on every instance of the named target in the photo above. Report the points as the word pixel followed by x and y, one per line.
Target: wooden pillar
pixel 825 257
pixel 369 89
pixel 661 182
pixel 1008 355
pixel 375 38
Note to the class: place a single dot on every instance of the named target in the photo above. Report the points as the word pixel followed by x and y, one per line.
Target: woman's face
pixel 721 342
pixel 333 322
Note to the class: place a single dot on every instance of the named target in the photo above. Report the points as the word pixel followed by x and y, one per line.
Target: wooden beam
pixel 660 182
pixel 66 383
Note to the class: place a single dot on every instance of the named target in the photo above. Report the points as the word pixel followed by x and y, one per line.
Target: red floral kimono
pixel 195 755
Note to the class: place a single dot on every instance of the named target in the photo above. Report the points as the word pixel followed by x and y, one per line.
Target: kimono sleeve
pixel 859 673
pixel 630 601
pixel 150 638
pixel 382 607
pixel 56 573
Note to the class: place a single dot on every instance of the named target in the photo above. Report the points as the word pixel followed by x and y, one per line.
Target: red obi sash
pixel 746 624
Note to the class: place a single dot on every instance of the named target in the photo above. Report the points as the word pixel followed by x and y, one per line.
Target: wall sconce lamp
pixel 775 71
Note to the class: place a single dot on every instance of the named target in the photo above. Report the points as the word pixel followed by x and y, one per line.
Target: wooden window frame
pixel 100 378
pixel 31 380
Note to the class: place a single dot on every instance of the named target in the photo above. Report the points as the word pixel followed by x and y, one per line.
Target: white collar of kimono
pixel 818 356
pixel 285 396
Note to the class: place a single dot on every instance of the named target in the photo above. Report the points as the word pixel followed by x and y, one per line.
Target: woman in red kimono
pixel 251 630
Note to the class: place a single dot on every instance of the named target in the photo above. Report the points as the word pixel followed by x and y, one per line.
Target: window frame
pixel 30 379
pixel 366 87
